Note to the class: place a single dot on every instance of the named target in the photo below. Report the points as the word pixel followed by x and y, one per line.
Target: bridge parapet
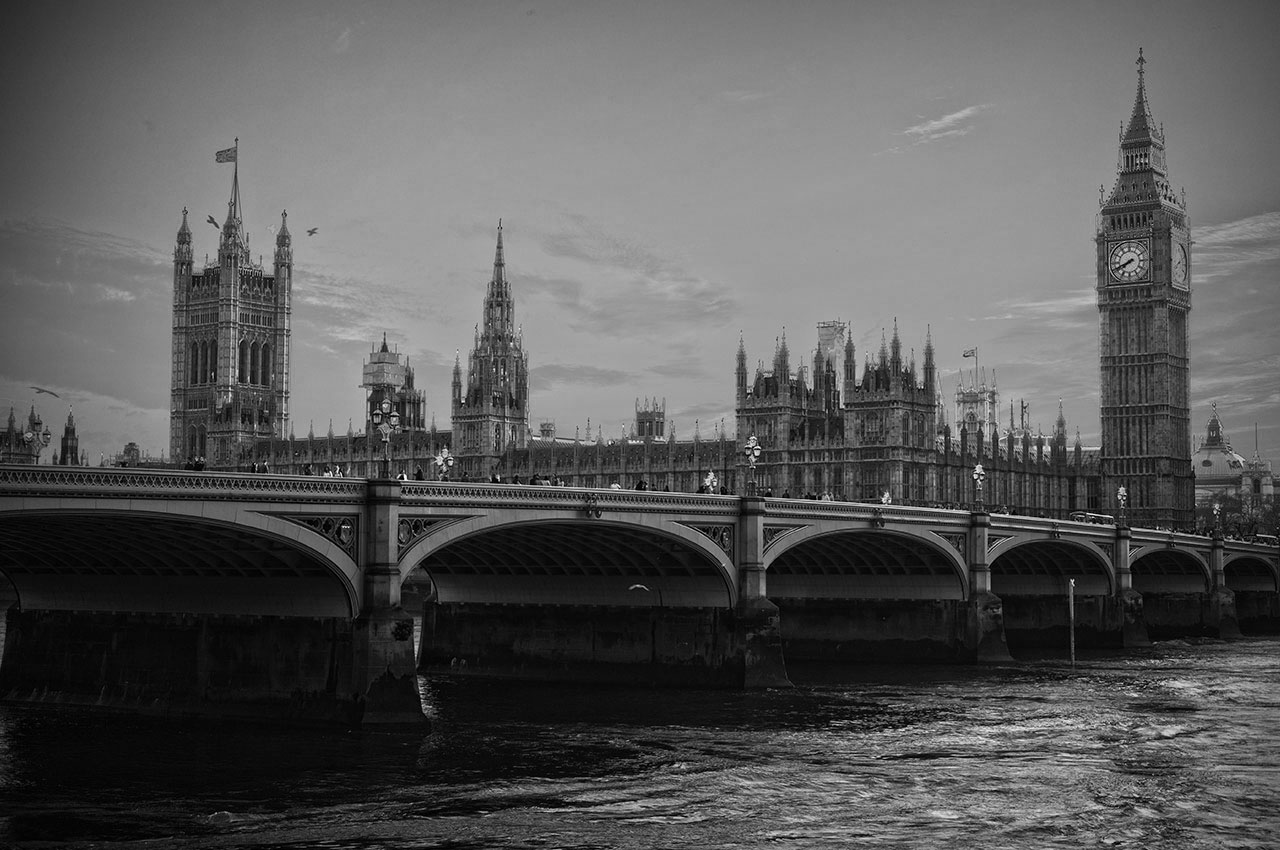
pixel 538 497
pixel 112 482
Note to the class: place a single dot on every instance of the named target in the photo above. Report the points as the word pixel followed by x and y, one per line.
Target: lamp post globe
pixel 979 475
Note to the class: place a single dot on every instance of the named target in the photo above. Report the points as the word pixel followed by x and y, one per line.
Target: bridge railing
pixel 549 497
pixel 72 481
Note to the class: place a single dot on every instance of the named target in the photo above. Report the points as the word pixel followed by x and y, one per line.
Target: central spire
pixel 499 264
pixel 499 309
pixel 1142 127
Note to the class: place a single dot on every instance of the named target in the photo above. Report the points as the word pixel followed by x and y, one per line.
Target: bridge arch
pixel 1029 565
pixel 830 562
pixel 1168 569
pixel 573 561
pixel 1246 571
pixel 211 559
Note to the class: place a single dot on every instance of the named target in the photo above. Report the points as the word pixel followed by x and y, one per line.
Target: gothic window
pixel 497 438
pixel 204 361
pixel 244 362
pixel 255 373
pixel 193 365
pixel 264 372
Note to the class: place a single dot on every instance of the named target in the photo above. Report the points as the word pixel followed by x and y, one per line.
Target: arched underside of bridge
pixel 1247 572
pixel 157 563
pixel 1167 570
pixel 864 564
pixel 1043 568
pixel 575 563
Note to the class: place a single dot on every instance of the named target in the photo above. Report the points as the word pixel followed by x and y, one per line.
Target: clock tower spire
pixel 1144 298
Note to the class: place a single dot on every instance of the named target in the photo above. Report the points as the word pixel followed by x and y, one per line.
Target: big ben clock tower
pixel 1144 298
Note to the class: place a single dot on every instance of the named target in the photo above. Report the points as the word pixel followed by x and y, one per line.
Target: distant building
pixel 1220 471
pixel 23 443
pixel 231 344
pixel 388 375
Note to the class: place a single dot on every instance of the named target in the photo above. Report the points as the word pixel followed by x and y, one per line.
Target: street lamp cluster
pixel 387 420
pixel 38 439
pixel 752 452
pixel 979 475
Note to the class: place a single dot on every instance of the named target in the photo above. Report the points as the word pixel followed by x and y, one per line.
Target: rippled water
pixel 1176 748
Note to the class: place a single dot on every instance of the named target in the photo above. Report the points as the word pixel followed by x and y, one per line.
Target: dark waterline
pixel 1174 748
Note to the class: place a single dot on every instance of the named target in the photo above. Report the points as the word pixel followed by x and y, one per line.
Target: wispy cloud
pixel 343 42
pixel 958 123
pixel 549 376
pixel 349 309
pixel 634 292
pixel 55 256
pixel 745 95
pixel 1073 309
pixel 1224 250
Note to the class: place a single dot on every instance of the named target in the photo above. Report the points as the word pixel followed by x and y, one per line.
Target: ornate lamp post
pixel 979 475
pixel 387 420
pixel 1217 519
pixel 444 463
pixel 39 439
pixel 752 452
pixel 1122 499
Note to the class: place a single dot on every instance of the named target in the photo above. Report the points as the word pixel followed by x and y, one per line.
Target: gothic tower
pixel 1144 297
pixel 70 442
pixel 231 341
pixel 491 412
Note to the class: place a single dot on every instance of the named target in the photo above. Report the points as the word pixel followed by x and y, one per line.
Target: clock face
pixel 1129 261
pixel 1180 265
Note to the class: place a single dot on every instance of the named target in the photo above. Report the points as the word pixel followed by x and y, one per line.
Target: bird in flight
pixel 43 390
pixel 212 221
pixel 312 231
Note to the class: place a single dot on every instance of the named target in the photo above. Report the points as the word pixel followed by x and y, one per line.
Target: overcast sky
pixel 668 175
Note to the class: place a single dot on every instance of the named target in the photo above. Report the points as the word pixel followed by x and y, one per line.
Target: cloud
pixel 1225 250
pixel 948 126
pixel 1071 310
pixel 635 292
pixel 343 42
pixel 97 266
pixel 344 308
pixel 545 378
pixel 744 95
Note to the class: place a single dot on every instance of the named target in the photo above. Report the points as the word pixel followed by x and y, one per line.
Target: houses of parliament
pixel 831 427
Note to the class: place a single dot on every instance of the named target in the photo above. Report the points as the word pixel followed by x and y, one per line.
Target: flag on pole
pixel 225 155
pixel 970 352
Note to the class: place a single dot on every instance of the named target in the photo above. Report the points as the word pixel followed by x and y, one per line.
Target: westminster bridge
pixel 314 599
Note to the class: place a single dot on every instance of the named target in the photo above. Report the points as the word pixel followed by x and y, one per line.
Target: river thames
pixel 1176 747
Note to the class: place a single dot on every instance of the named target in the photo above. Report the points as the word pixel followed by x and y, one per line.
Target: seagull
pixel 312 231
pixel 43 390
pixel 212 221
